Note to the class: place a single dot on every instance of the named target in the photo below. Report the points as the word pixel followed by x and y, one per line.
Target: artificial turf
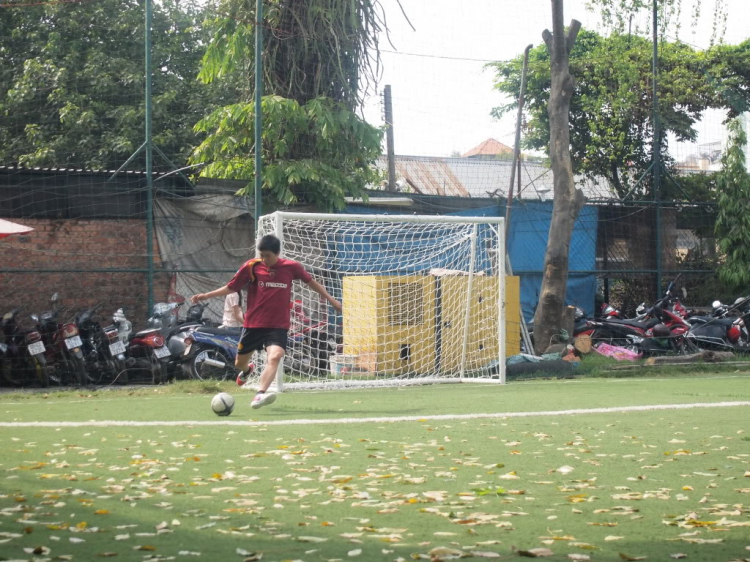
pixel 621 485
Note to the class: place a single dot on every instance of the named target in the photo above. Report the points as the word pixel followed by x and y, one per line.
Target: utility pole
pixel 657 152
pixel 258 111
pixel 149 164
pixel 390 151
pixel 517 146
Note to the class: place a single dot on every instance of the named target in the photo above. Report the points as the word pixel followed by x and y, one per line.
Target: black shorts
pixel 255 339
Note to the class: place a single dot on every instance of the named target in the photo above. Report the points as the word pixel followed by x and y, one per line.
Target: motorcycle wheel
pixel 199 370
pixel 80 372
pixel 688 346
pixel 42 374
pixel 12 373
pixel 158 371
pixel 121 372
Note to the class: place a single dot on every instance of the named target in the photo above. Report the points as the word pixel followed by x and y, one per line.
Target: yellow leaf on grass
pixel 583 545
pixel 101 512
pixel 146 547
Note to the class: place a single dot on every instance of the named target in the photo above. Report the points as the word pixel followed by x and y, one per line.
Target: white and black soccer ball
pixel 222 404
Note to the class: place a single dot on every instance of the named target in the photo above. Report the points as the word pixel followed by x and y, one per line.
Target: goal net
pixel 423 299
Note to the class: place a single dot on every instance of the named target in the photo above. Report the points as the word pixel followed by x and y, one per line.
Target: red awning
pixel 7 228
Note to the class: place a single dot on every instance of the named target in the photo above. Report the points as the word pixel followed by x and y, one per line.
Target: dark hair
pixel 269 243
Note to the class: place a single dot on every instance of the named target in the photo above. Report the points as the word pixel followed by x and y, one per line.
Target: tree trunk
pixel 568 200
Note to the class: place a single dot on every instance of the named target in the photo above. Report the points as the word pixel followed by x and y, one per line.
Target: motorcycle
pixel 147 352
pixel 63 353
pixel 104 353
pixel 720 331
pixel 175 330
pixel 23 356
pixel 631 332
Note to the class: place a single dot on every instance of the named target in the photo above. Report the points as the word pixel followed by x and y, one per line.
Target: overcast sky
pixel 442 101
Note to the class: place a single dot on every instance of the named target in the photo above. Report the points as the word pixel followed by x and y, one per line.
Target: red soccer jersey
pixel 269 295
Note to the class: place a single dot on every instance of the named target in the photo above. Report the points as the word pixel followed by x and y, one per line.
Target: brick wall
pixel 79 245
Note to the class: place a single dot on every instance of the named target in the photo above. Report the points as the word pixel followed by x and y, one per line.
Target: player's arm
pixel 321 290
pixel 221 292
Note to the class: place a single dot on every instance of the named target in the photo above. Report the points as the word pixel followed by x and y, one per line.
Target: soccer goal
pixel 423 299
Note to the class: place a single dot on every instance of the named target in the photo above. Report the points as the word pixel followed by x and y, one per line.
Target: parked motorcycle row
pixel 667 327
pixel 91 347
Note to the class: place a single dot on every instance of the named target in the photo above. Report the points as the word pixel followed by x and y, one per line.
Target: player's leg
pixel 274 355
pixel 275 343
pixel 250 341
pixel 242 362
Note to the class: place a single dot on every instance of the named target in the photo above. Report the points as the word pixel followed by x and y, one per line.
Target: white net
pixel 421 299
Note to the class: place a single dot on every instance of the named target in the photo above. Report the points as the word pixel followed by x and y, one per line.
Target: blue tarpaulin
pixel 526 244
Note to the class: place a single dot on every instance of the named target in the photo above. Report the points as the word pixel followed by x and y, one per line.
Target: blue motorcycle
pixel 210 353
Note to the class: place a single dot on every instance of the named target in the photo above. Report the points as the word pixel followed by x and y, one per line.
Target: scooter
pixel 210 353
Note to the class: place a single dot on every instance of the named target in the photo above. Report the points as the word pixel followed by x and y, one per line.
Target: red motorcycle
pixel 57 347
pixel 148 352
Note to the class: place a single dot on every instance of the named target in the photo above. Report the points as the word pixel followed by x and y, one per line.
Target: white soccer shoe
pixel 261 400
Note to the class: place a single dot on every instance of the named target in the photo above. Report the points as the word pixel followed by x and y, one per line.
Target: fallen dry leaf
pixel 536 552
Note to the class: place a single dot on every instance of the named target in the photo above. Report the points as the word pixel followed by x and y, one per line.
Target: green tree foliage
pixel 617 15
pixel 733 220
pixel 611 111
pixel 72 82
pixel 316 57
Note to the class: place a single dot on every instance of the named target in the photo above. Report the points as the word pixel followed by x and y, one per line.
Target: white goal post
pixel 423 299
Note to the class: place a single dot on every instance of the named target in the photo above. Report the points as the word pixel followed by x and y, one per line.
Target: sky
pixel 442 96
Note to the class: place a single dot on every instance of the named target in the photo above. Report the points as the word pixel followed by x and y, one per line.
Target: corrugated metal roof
pixel 470 177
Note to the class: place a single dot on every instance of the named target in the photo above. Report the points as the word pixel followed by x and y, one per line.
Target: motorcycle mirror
pixel 54 297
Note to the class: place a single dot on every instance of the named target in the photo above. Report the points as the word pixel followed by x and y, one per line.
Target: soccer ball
pixel 222 404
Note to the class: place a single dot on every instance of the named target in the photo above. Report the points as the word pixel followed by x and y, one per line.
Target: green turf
pixel 165 403
pixel 666 482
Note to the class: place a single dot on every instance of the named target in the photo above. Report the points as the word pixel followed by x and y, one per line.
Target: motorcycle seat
pixel 220 331
pixel 635 323
pixel 182 328
pixel 147 332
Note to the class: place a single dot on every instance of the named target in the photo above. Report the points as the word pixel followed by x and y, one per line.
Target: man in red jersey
pixel 269 289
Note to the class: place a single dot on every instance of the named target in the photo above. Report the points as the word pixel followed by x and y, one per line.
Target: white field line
pixel 389 419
